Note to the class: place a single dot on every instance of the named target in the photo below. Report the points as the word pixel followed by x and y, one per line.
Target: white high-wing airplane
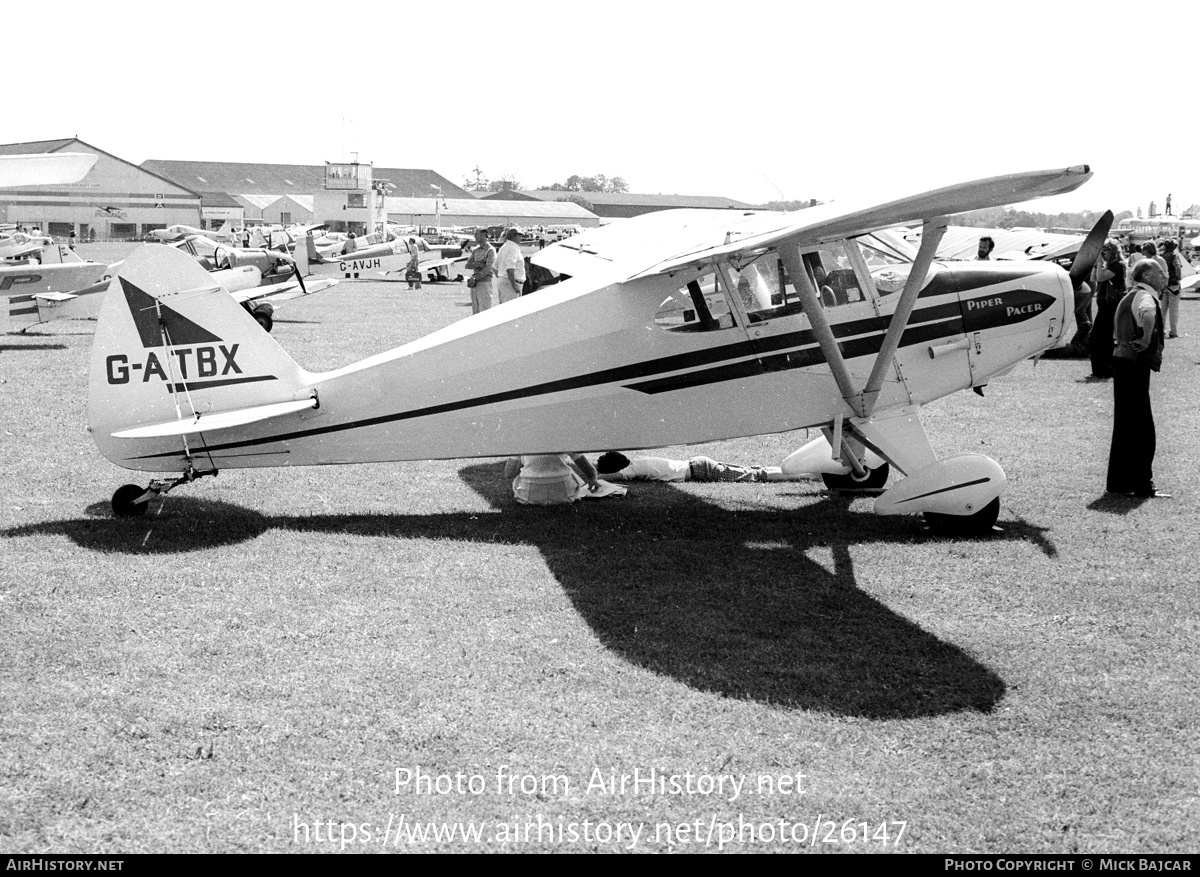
pixel 387 261
pixel 676 327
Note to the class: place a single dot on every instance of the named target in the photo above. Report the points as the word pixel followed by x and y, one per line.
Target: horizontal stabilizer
pixel 219 420
pixel 55 296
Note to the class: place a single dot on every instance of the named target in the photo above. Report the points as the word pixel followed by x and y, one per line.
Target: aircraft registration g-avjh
pixel 677 327
pixel 387 260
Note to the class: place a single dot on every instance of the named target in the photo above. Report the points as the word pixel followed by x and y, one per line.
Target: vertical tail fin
pixel 171 344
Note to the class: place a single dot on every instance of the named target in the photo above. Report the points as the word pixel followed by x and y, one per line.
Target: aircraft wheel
pixel 123 504
pixel 874 479
pixel 977 524
pixel 264 319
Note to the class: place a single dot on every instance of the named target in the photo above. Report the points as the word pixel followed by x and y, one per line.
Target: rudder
pixel 171 343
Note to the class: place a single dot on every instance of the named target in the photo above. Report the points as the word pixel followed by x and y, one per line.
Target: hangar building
pixel 116 200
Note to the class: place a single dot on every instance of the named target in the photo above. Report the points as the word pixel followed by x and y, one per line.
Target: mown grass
pixel 272 645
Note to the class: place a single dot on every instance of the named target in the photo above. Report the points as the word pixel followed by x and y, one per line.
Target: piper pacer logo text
pixel 190 353
pixel 1004 309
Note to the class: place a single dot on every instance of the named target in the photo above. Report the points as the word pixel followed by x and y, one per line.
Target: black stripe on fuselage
pixel 937 321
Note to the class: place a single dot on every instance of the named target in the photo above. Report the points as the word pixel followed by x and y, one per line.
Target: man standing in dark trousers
pixel 1109 284
pixel 1138 332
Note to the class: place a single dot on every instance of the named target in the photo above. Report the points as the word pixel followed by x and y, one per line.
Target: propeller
pixel 1089 252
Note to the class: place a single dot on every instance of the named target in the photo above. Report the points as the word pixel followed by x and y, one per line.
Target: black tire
pixel 123 504
pixel 978 524
pixel 264 319
pixel 874 479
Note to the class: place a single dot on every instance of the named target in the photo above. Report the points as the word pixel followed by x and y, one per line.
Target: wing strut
pixel 931 237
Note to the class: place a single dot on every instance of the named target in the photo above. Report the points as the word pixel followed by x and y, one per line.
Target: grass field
pixel 250 665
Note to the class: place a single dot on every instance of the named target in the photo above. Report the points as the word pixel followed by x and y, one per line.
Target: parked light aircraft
pixel 245 283
pixel 173 233
pixel 60 271
pixel 675 327
pixel 386 261
pixel 259 280
pixel 23 245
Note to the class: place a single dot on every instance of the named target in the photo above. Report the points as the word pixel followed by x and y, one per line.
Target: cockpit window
pixel 697 306
pixel 833 275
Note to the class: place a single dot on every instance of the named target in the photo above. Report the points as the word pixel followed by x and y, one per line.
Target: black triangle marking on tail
pixel 180 330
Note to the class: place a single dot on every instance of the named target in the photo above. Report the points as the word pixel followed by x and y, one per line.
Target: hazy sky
pixel 754 101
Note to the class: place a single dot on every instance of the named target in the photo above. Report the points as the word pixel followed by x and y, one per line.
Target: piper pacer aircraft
pixel 676 327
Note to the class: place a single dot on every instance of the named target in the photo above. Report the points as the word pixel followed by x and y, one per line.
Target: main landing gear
pixel 130 500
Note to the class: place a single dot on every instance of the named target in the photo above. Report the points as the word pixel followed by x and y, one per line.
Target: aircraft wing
pixel 962 242
pixel 634 248
pixel 286 291
pixel 438 263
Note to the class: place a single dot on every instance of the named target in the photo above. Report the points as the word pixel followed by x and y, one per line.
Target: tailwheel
pixel 125 501
pixel 978 524
pixel 872 479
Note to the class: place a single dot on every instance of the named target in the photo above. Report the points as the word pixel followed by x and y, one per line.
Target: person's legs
pixel 1131 456
pixel 708 469
pixel 1172 319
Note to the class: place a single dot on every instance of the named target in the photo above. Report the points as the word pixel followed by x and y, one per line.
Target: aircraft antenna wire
pixel 168 346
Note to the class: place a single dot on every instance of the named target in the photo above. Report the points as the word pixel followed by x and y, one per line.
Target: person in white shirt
pixel 550 479
pixel 616 466
pixel 510 266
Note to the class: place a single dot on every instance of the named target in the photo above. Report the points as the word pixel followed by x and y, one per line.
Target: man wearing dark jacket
pixel 1138 333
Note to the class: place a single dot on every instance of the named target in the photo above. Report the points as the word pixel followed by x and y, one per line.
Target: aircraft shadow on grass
pixel 726 601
